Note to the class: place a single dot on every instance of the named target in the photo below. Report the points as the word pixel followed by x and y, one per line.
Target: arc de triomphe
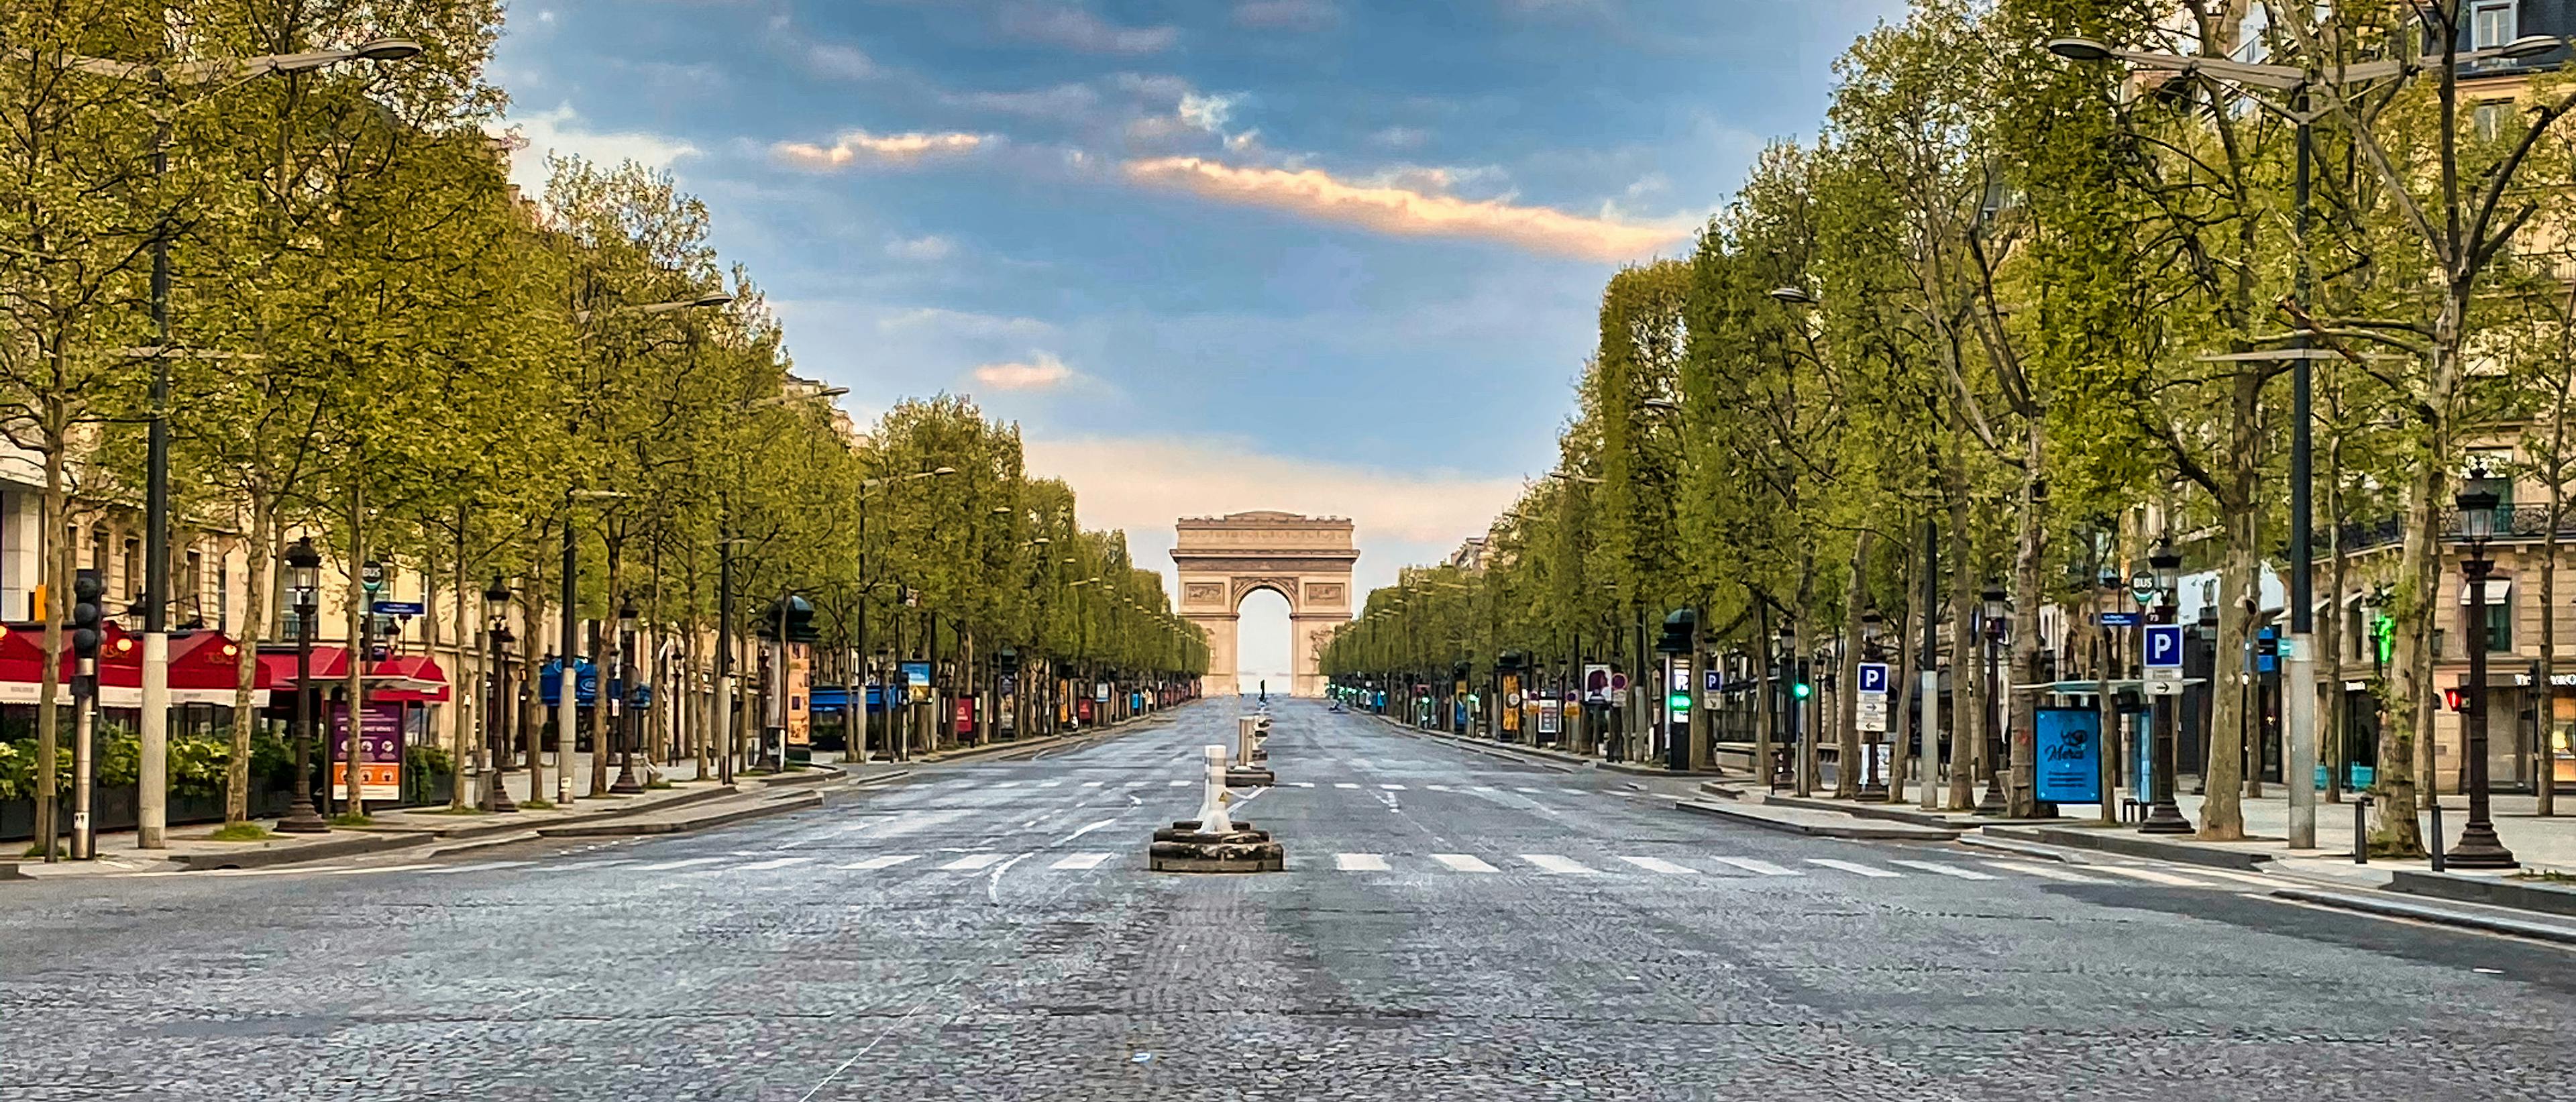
pixel 1304 559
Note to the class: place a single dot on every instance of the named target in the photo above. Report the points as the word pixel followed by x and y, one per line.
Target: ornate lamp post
pixel 1790 707
pixel 2478 847
pixel 304 578
pixel 496 754
pixel 1997 607
pixel 620 717
pixel 2164 816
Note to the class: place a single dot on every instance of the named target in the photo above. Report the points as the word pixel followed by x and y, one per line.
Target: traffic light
pixel 1008 661
pixel 793 614
pixel 2451 699
pixel 1801 684
pixel 1677 701
pixel 88 614
pixel 1678 630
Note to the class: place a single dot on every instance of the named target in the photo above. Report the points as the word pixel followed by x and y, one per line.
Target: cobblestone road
pixel 1451 926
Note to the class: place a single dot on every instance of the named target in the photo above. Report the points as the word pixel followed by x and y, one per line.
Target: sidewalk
pixel 688 804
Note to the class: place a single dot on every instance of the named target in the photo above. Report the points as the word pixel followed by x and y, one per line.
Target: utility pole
pixel 567 702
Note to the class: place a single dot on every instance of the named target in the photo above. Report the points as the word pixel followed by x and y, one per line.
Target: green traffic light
pixel 1679 702
pixel 1802 690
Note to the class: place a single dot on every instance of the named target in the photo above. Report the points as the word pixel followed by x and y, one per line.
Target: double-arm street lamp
pixel 152 729
pixel 2299 658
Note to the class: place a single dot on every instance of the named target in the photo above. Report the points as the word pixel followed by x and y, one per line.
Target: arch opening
pixel 1262 655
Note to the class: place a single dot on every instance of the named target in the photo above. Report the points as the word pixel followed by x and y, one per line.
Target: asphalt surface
pixel 1450 926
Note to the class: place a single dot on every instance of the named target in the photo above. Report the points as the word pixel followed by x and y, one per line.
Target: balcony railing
pixel 2512 523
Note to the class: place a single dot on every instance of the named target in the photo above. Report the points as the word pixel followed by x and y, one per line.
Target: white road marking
pixel 2233 874
pixel 1460 862
pixel 1005 784
pixel 1853 867
pixel 1133 784
pixel 975 861
pixel 1051 783
pixel 1550 862
pixel 1303 784
pixel 1392 787
pixel 682 863
pixel 886 861
pixel 1437 787
pixel 1484 788
pixel 1757 868
pixel 1087 829
pixel 380 868
pixel 1945 870
pixel 1658 864
pixel 578 865
pixel 1344 784
pixel 772 863
pixel 1359 862
pixel 480 866
pixel 2044 872
pixel 1571 791
pixel 1524 789
pixel 1091 784
pixel 2151 876
pixel 1177 784
pixel 1081 861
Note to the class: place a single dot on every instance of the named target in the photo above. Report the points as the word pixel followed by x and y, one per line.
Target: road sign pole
pixel 2164 682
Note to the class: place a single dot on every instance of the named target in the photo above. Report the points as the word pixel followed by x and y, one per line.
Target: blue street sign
pixel 2119 619
pixel 1873 677
pixel 396 608
pixel 2164 645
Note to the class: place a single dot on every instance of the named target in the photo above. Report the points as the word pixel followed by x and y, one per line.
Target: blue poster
pixel 2070 756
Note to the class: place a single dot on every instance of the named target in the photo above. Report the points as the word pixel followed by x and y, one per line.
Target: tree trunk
pixel 2544 765
pixel 1847 682
pixel 2222 812
pixel 355 693
pixel 1765 695
pixel 2021 790
pixel 532 732
pixel 2330 641
pixel 1967 688
pixel 57 568
pixel 467 658
pixel 257 551
pixel 2407 702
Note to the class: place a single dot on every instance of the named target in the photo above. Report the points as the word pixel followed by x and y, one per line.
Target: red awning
pixel 202 667
pixel 409 678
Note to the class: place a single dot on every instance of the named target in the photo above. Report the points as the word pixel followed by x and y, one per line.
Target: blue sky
pixel 1325 255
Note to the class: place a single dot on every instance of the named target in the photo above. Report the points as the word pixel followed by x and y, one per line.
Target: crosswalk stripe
pixel 880 862
pixel 1051 783
pixel 1553 863
pixel 1176 784
pixel 1484 788
pixel 1757 868
pixel 1658 864
pixel 1945 870
pixel 1081 861
pixel 1359 862
pixel 1005 784
pixel 974 861
pixel 1524 789
pixel 772 863
pixel 1091 784
pixel 1461 862
pixel 2044 872
pixel 2152 876
pixel 1133 784
pixel 1303 784
pixel 1392 787
pixel 1854 867
pixel 1344 784
pixel 682 863
pixel 1437 787
pixel 480 866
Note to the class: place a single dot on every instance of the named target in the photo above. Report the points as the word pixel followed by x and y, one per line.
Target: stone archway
pixel 1304 559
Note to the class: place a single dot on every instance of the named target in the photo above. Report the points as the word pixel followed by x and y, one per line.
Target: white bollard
pixel 1246 729
pixel 1212 819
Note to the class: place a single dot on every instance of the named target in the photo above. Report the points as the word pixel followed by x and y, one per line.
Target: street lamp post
pixel 1873 781
pixel 1790 708
pixel 2478 848
pixel 615 694
pixel 1991 742
pixel 304 577
pixel 2164 816
pixel 496 793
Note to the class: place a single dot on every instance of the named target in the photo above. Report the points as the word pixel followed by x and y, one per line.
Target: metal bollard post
pixel 2361 829
pixel 2434 844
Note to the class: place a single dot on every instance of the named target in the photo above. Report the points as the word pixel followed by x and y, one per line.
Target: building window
pixel 2486 120
pixel 2491 23
pixel 133 567
pixel 2499 623
pixel 2249 35
pixel 190 594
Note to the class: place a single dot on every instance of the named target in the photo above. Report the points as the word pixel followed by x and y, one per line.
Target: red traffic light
pixel 2452 698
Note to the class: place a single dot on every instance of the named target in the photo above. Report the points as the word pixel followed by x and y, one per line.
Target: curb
pixel 794 802
pixel 1895 813
pixel 350 846
pixel 1861 831
pixel 2391 908
pixel 1999 845
pixel 812 774
pixel 1565 763
pixel 2492 892
pixel 877 779
pixel 2128 845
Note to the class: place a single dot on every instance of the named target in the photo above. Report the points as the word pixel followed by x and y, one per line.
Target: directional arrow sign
pixel 1870 707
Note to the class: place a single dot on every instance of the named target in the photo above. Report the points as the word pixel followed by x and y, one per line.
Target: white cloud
pixel 964 323
pixel 1143 485
pixel 1286 15
pixel 1041 371
pixel 1400 137
pixel 1411 208
pixel 930 247
pixel 1208 113
pixel 886 149
pixel 839 62
pixel 560 132
pixel 1077 29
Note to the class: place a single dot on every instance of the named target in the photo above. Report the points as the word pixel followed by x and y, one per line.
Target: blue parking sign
pixel 1873 677
pixel 2164 645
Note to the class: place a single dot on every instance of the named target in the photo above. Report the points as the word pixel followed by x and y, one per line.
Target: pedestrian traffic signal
pixel 2451 699
pixel 88 614
pixel 1678 631
pixel 1802 690
pixel 1677 701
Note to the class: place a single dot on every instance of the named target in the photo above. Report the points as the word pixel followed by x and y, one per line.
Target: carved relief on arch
pixel 1324 593
pixel 1285 587
pixel 1203 593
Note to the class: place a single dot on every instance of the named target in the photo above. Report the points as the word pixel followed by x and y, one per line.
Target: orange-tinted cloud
pixel 859 146
pixel 1406 211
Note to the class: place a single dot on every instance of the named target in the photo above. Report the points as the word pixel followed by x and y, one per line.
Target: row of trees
pixel 2027 304
pixel 295 213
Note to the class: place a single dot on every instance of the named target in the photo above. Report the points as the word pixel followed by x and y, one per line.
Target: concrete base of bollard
pixel 1183 849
